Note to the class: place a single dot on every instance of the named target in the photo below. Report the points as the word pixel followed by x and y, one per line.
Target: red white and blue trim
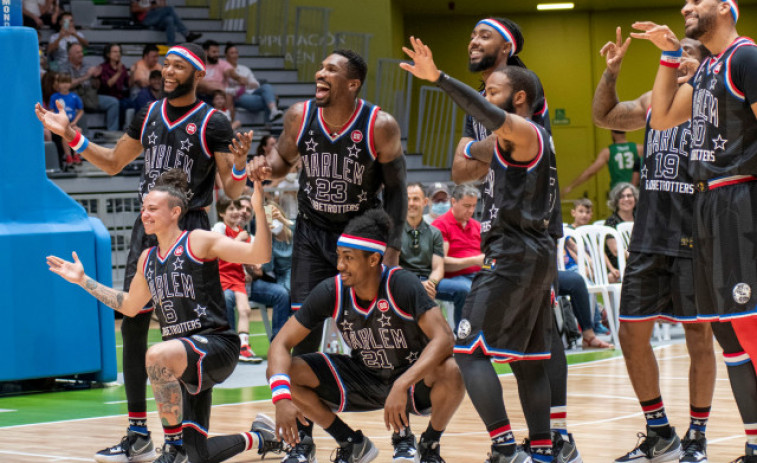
pixel 339 383
pixel 531 165
pixel 303 125
pixel 338 300
pixel 192 255
pixel 356 306
pixel 751 429
pixel 729 84
pixel 498 355
pixel 249 440
pixel 466 151
pixel 503 30
pixel 729 180
pixel 147 117
pixel 401 313
pixel 280 387
pixel 736 359
pixel 193 59
pixel 202 355
pixel 162 259
pixel 203 139
pixel 371 142
pixel 734 9
pixel 79 143
pixel 660 316
pixel 345 129
pixel 195 426
pixel 172 125
pixel 296 307
pixel 672 59
pixel 364 244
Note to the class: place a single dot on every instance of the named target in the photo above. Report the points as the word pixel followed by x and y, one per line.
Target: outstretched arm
pixel 109 160
pixel 520 133
pixel 671 104
pixel 210 245
pixel 590 171
pixel 236 161
pixel 127 303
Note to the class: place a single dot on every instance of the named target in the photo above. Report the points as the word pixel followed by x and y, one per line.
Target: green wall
pixel 563 49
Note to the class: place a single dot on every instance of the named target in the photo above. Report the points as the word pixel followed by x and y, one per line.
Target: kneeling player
pixel 401 357
pixel 199 349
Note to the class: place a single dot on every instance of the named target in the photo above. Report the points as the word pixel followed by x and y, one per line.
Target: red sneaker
pixel 247 355
pixel 77 159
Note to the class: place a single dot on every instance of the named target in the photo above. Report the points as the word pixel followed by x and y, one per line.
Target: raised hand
pixel 660 35
pixel 257 196
pixel 240 146
pixel 57 123
pixel 423 66
pixel 71 271
pixel 258 169
pixel 615 51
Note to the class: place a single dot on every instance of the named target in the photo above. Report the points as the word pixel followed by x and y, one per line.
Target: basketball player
pixel 495 43
pixel 401 357
pixel 199 348
pixel 507 316
pixel 349 149
pixel 176 131
pixel 658 281
pixel 721 100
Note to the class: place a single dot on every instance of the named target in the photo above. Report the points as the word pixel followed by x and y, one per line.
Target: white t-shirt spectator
pixel 244 72
pixel 60 55
pixel 33 6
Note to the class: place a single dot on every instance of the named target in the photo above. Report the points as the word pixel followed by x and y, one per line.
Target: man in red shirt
pixel 462 244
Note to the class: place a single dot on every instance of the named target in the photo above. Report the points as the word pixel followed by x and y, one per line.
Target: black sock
pixel 431 434
pixel 343 433
pixel 303 429
pixel 657 419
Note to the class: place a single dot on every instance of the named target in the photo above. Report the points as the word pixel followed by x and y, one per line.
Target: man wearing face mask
pixel 438 196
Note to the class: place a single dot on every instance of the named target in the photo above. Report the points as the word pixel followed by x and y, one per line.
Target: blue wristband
pixel 466 151
pixel 673 54
pixel 238 174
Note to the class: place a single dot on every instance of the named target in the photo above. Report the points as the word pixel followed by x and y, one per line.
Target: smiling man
pixel 350 150
pixel 401 359
pixel 177 131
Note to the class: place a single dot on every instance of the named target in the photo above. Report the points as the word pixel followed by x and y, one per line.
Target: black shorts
pixel 347 385
pixel 313 259
pixel 192 220
pixel 211 358
pixel 725 252
pixel 658 286
pixel 508 313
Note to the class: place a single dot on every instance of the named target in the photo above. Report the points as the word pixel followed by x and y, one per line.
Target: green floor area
pixel 76 403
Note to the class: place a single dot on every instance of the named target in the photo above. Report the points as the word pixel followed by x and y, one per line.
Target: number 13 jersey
pixel 340 175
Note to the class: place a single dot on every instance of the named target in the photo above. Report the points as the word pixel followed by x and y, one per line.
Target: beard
pixel 181 89
pixel 704 25
pixel 508 105
pixel 487 62
pixel 212 59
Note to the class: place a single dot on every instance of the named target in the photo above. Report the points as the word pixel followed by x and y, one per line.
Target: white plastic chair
pixel 594 238
pixel 625 229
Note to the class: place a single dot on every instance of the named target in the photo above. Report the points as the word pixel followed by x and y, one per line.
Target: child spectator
pixel 72 105
pixel 232 277
pixel 582 212
pixel 219 102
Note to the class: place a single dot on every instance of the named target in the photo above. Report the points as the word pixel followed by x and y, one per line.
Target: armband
pixel 280 388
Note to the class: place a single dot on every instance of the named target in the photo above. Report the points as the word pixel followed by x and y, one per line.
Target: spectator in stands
pixel 269 283
pixel 438 194
pixel 233 277
pixel 623 199
pixel 49 84
pixel 582 212
pixel 219 103
pixel 249 93
pixel 67 34
pixel 150 93
pixel 217 73
pixel 114 78
pixel 423 251
pixel 462 241
pixel 142 69
pixel 85 80
pixel 65 100
pixel 156 14
pixel 573 285
pixel 39 13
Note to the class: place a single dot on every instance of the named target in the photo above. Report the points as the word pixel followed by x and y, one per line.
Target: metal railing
pixel 234 16
pixel 311 39
pixel 394 91
pixel 437 121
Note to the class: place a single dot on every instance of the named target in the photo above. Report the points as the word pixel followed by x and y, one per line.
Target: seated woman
pixel 623 199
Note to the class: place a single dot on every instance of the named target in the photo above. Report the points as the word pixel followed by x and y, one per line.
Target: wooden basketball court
pixel 603 414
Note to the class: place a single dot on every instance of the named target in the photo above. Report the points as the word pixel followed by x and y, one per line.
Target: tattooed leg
pixel 165 364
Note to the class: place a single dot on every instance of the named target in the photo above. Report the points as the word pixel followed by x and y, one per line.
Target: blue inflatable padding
pixel 50 328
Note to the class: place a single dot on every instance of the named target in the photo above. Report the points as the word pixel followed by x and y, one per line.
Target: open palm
pixel 58 122
pixel 423 66
pixel 70 271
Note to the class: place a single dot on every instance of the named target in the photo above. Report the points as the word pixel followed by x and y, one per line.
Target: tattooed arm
pixel 127 303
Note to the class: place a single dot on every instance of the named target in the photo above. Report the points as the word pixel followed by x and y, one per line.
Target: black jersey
pixel 340 176
pixel 186 291
pixel 663 220
pixel 473 129
pixel 724 128
pixel 519 199
pixel 179 144
pixel 383 333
